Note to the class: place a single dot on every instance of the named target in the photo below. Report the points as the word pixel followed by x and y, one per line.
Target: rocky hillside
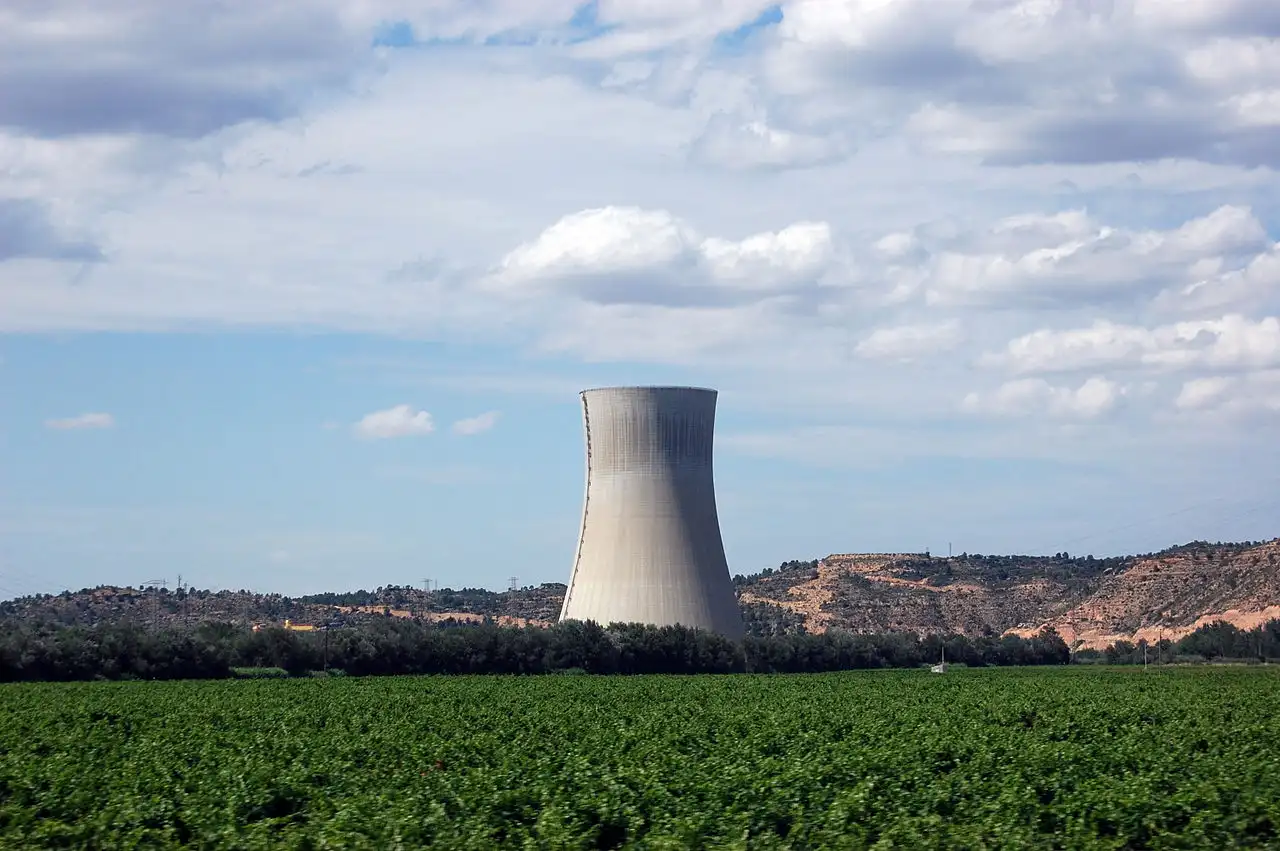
pixel 1090 602
pixel 1173 593
pixel 533 605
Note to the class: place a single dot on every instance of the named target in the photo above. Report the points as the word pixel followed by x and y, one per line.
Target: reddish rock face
pixel 1091 604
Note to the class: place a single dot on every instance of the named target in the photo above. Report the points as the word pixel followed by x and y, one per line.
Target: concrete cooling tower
pixel 649 549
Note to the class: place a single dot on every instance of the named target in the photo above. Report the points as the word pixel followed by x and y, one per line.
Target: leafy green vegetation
pixel 400 646
pixel 1008 758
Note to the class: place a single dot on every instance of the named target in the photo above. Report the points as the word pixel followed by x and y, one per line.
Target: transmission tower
pixel 181 589
pixel 154 584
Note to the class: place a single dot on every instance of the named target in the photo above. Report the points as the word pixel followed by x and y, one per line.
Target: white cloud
pixel 477 424
pixel 689 247
pixel 1254 285
pixel 1048 350
pixel 1069 258
pixel 604 241
pixel 896 246
pixel 1232 342
pixel 1203 392
pixel 1230 60
pixel 778 211
pixel 1232 395
pixel 798 253
pixel 1028 397
pixel 1258 109
pixel 986 78
pixel 735 142
pixel 908 342
pixel 628 255
pixel 399 421
pixel 82 421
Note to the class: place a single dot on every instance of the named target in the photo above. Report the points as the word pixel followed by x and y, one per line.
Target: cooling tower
pixel 649 549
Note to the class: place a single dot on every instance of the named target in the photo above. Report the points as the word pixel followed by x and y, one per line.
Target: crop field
pixel 1004 758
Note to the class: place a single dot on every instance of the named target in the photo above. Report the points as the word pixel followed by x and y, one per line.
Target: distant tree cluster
pixel 152 606
pixel 1203 548
pixel 472 600
pixel 769 619
pixel 793 567
pixel 1062 567
pixel 400 646
pixel 1212 642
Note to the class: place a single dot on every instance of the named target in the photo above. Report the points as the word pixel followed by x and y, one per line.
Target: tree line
pixel 1215 641
pixel 402 646
pixel 390 646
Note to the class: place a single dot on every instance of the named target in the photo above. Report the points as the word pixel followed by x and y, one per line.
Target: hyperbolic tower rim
pixel 649 387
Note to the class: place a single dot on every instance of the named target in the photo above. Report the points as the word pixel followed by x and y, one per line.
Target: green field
pixel 993 758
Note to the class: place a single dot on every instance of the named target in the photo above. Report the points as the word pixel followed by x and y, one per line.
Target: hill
pixel 534 605
pixel 1092 603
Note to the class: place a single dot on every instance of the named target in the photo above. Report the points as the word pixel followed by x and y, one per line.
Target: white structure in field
pixel 649 549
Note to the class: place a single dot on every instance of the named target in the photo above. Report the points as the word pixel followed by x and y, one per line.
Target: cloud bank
pixel 895 210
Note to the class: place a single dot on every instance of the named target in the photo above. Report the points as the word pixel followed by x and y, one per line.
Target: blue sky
pixel 945 298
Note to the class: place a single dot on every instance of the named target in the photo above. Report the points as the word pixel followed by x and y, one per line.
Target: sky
pixel 299 297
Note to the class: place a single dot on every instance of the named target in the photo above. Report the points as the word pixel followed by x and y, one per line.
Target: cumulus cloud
pixel 796 254
pixel 908 342
pixel 399 421
pixel 477 424
pixel 898 247
pixel 1036 397
pixel 628 255
pixel 605 241
pixel 984 78
pixel 1232 342
pixel 1231 395
pixel 688 246
pixel 1068 257
pixel 1077 176
pixel 1203 392
pixel 1254 285
pixel 82 421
